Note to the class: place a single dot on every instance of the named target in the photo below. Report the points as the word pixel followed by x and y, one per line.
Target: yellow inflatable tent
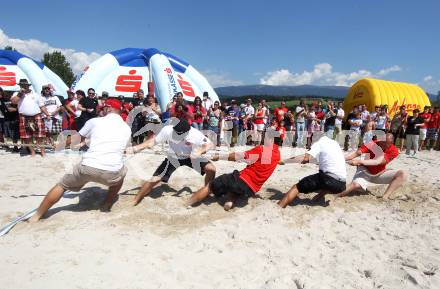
pixel 373 92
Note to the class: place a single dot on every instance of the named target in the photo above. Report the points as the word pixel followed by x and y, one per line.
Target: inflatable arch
pixel 15 66
pixel 125 71
pixel 373 92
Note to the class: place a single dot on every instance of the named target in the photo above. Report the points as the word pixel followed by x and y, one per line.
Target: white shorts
pixel 423 132
pixel 363 177
pixel 259 127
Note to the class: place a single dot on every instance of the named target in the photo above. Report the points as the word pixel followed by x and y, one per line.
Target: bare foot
pixel 35 218
pixel 228 205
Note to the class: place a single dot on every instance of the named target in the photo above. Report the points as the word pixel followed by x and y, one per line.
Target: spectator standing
pixel 432 128
pixel 51 106
pixel 355 129
pixel 300 112
pixel 338 121
pixel 398 126
pixel 214 120
pixel 423 129
pixel 232 121
pixel 87 105
pixel 330 120
pixel 280 112
pixel 259 124
pixel 31 123
pixel 10 125
pixel 413 131
pixel 199 113
pixel 312 124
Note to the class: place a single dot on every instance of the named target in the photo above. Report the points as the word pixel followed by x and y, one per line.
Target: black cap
pixel 182 127
pixel 205 93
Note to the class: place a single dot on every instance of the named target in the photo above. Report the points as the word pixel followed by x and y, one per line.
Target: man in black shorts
pixel 332 174
pixel 262 161
pixel 186 148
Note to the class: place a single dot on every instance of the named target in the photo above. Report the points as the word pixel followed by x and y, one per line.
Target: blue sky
pixel 245 42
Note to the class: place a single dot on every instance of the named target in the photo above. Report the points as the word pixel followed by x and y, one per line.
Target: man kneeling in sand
pixel 262 161
pixel 102 163
pixel 332 174
pixel 373 169
pixel 187 145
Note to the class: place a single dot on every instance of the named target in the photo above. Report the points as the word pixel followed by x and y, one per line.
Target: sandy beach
pixel 355 242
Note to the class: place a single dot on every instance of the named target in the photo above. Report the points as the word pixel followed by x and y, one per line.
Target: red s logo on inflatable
pixel 186 86
pixel 129 83
pixel 7 78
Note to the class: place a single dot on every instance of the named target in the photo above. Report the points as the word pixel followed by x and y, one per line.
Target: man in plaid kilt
pixel 31 123
pixel 50 106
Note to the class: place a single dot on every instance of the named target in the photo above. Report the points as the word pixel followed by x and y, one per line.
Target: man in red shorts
pixel 262 161
pixel 373 168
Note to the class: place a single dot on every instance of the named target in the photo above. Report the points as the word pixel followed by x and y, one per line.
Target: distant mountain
pixel 300 90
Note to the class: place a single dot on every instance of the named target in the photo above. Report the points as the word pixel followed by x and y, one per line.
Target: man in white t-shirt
pixel 186 146
pixel 338 121
pixel 102 163
pixel 31 124
pixel 300 112
pixel 332 174
pixel 50 106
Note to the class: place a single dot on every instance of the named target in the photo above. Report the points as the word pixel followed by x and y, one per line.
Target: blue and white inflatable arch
pixel 15 66
pixel 125 71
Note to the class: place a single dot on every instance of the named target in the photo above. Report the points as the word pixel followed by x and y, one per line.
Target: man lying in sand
pixel 332 174
pixel 262 161
pixel 187 145
pixel 373 169
pixel 102 163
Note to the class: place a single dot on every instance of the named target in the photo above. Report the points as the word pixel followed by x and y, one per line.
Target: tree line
pixel 57 62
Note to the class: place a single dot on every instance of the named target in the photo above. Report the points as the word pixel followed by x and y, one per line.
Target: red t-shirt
pixel 279 112
pixel 389 154
pixel 282 131
pixel 199 118
pixel 262 162
pixel 434 120
pixel 426 117
pixel 182 114
pixel 320 115
pixel 259 113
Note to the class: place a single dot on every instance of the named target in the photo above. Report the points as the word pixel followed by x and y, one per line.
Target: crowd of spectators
pixel 38 118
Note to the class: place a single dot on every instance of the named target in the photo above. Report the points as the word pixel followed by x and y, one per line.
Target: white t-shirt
pixel 52 103
pixel 207 104
pixel 181 148
pixel 29 104
pixel 249 110
pixel 330 156
pixel 109 136
pixel 300 118
pixel 75 103
pixel 339 116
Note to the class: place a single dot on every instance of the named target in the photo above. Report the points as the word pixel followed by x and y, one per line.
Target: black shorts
pixel 320 181
pixel 230 183
pixel 168 166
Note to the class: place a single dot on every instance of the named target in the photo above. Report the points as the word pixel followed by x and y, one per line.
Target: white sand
pixel 356 242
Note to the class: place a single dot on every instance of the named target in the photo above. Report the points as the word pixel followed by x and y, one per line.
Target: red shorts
pixel 31 126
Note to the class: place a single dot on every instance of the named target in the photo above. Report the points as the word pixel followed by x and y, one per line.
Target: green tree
pixel 57 62
pixel 8 47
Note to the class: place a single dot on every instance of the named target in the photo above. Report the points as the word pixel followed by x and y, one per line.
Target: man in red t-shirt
pixel 432 127
pixel 262 161
pixel 426 116
pixel 279 112
pixel 373 168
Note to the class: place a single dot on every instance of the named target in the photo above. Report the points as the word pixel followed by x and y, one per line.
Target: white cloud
pixel 35 48
pixel 430 84
pixel 388 70
pixel 427 78
pixel 220 79
pixel 322 74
